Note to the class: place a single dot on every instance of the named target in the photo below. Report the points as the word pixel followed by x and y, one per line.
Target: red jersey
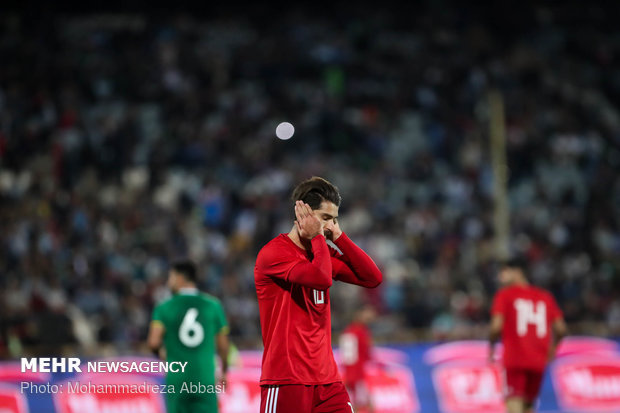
pixel 292 286
pixel 528 315
pixel 355 351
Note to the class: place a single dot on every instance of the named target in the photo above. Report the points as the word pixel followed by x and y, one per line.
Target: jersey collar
pixel 188 291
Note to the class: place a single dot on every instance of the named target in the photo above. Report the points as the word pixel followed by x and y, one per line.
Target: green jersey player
pixel 188 328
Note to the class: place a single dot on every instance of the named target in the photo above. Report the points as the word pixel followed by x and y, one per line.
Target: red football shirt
pixel 292 286
pixel 355 351
pixel 528 314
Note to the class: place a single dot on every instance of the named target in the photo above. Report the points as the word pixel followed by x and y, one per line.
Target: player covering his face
pixel 293 275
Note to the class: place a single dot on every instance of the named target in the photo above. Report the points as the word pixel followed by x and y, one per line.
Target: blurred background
pixel 128 139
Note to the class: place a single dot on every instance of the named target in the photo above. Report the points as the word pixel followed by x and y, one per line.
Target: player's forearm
pixel 364 268
pixel 223 349
pixel 223 353
pixel 318 273
pixel 558 335
pixel 154 340
pixel 155 351
pixel 494 336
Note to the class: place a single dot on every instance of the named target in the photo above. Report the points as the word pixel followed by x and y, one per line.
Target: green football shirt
pixel 191 320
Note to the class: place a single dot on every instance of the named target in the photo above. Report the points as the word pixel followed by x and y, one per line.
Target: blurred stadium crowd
pixel 128 140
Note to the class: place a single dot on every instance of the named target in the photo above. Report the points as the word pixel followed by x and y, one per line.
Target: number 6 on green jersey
pixel 191 332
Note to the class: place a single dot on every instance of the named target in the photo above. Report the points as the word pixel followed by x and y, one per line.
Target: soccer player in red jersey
pixel 293 274
pixel 530 324
pixel 355 349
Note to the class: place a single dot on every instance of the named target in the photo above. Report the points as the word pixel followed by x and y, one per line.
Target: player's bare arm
pixel 560 330
pixel 495 331
pixel 223 345
pixel 155 337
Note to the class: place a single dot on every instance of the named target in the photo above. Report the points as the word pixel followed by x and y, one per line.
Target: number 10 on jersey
pixel 319 297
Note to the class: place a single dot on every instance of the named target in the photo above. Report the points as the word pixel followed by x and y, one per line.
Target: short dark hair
pixel 515 262
pixel 186 268
pixel 315 190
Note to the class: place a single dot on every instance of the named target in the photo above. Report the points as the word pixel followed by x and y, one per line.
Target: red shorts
pixel 523 383
pixel 299 398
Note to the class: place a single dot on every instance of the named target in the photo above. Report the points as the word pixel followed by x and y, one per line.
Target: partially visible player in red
pixel 293 274
pixel 530 325
pixel 355 352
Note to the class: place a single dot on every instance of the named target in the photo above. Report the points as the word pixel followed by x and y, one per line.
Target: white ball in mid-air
pixel 285 131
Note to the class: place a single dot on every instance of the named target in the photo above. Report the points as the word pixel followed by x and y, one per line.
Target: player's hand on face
pixel 333 231
pixel 308 224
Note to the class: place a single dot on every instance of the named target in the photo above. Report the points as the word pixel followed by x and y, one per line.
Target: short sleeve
pixel 221 324
pixel 498 306
pixel 158 316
